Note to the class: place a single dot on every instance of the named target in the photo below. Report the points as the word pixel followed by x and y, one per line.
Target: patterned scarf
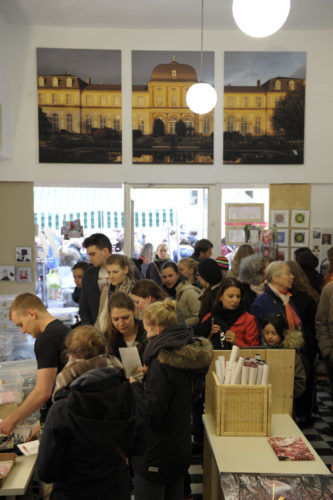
pixel 76 367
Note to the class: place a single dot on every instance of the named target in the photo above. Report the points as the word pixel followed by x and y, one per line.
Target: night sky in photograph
pixel 102 66
pixel 144 61
pixel 245 68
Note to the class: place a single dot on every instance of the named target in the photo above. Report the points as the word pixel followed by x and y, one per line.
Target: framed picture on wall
pixel 7 273
pixel 235 235
pixel 24 275
pixel 283 253
pixel 299 237
pixel 282 237
pixel 23 254
pixel 280 218
pixel 244 212
pixel 300 218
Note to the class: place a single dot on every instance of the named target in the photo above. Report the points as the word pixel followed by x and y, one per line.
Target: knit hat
pixel 222 262
pixel 210 271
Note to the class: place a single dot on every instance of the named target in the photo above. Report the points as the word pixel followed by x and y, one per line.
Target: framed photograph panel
pixel 7 273
pixel 235 235
pixel 283 254
pixel 24 275
pixel 280 218
pixel 299 238
pixel 244 212
pixel 300 218
pixel 23 254
pixel 282 237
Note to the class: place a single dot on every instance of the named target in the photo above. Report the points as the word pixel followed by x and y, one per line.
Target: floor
pixel 322 442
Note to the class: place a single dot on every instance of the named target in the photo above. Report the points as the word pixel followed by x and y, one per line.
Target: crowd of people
pixel 104 425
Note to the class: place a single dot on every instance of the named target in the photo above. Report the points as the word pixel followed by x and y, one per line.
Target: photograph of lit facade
pixel 165 130
pixel 264 122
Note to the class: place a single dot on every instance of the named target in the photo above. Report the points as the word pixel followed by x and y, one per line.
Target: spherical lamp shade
pixel 260 18
pixel 201 98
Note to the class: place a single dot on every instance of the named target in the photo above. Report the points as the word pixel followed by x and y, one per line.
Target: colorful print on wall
pixel 165 130
pixel 264 103
pixel 79 105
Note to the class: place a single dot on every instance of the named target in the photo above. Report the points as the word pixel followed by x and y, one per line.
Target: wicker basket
pixel 240 410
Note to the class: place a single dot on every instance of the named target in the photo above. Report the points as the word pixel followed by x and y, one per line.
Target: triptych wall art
pixel 80 107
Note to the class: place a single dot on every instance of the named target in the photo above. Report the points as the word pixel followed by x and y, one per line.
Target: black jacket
pixel 76 451
pixel 175 376
pixel 89 298
pixel 141 338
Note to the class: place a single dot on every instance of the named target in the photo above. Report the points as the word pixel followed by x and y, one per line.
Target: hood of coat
pixel 194 356
pixel 185 285
pixel 100 403
pixel 293 339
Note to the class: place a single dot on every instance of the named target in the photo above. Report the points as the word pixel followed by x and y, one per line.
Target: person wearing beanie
pixel 223 263
pixel 210 277
pixel 308 262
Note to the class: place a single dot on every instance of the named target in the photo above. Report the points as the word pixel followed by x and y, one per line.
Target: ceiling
pixel 149 14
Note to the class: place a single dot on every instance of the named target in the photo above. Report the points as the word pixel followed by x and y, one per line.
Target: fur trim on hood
pixel 293 339
pixel 197 355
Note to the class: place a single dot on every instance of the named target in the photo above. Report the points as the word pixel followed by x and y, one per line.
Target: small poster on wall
pixel 7 273
pixel 23 254
pixel 24 275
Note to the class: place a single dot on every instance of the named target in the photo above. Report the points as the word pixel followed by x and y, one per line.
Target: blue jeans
pixel 145 490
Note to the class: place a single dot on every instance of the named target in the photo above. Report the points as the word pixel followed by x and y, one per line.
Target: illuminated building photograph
pixel 79 105
pixel 264 105
pixel 165 130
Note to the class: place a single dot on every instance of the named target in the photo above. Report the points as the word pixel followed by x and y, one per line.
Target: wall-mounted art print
pixel 165 130
pixel 244 212
pixel 300 218
pixel 264 101
pixel 7 273
pixel 283 254
pixel 282 237
pixel 79 105
pixel 24 275
pixel 280 218
pixel 23 254
pixel 299 237
pixel 235 235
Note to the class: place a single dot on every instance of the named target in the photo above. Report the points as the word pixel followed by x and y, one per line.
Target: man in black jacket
pixel 95 278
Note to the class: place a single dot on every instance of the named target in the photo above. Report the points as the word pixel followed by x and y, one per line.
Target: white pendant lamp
pixel 201 97
pixel 260 18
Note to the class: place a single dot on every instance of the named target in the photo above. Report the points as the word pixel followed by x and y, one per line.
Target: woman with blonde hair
pixel 153 271
pixel 90 428
pixel 241 252
pixel 188 268
pixel 176 365
pixel 121 277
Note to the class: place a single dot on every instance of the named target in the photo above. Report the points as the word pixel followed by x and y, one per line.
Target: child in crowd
pixel 277 335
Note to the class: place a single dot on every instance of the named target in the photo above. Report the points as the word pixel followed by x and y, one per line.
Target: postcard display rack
pixel 246 410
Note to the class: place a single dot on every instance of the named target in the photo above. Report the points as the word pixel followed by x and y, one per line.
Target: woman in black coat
pixel 175 368
pixel 90 428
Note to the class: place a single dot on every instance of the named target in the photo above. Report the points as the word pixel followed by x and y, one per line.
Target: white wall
pixel 22 96
pixel 4 96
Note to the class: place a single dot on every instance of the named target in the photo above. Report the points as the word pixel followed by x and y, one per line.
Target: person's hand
pixel 142 369
pixel 214 329
pixel 7 425
pixel 33 434
pixel 230 336
pixel 132 380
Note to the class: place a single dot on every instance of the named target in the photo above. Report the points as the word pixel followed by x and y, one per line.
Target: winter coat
pixel 245 329
pixel 175 376
pixel 249 296
pixel 307 307
pixel 187 297
pixel 87 426
pixel 294 340
pixel 324 323
pixel 268 303
pixel 89 298
pixel 103 311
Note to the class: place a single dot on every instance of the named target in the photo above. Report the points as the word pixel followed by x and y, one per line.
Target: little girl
pixel 277 335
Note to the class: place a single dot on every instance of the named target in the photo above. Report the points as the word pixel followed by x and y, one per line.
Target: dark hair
pixel 148 288
pixel 301 282
pixel 278 322
pixel 99 240
pixel 122 301
pixel 202 246
pixel 172 265
pixel 122 261
pixel 227 283
pixel 82 264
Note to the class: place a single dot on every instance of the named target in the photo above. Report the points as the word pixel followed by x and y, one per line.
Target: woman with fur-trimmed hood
pixel 276 335
pixel 175 365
